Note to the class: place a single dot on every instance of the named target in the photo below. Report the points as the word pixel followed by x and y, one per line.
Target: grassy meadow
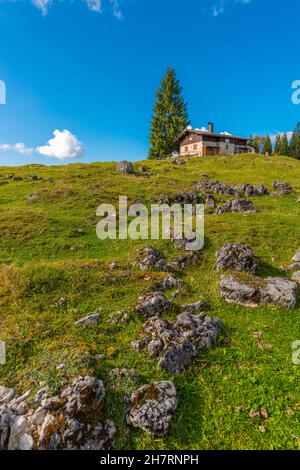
pixel 49 251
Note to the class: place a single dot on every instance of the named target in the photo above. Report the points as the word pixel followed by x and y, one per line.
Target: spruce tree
pixel 267 146
pixel 278 145
pixel 284 145
pixel 295 143
pixel 170 116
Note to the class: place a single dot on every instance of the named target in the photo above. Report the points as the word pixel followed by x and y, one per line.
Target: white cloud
pixel 19 147
pixel 219 6
pixel 116 9
pixel 93 5
pixel 273 136
pixel 42 5
pixel 63 145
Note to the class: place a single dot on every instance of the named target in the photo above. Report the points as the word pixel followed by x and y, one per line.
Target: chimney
pixel 211 127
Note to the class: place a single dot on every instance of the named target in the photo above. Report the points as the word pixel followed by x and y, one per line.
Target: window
pixel 186 149
pixel 195 146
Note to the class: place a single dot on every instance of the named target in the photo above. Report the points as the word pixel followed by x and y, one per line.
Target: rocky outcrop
pixel 236 257
pixel 272 290
pixel 281 188
pixel 73 420
pixel 151 259
pixel 237 205
pixel 186 197
pixel 125 167
pixel 218 187
pixel 177 343
pixel 152 407
pixel 153 304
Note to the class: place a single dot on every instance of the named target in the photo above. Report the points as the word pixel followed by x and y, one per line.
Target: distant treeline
pixel 283 145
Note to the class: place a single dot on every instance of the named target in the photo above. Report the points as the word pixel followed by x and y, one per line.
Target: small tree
pixel 255 142
pixel 170 116
pixel 267 145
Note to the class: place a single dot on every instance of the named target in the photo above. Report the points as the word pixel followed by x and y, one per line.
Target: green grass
pixel 49 249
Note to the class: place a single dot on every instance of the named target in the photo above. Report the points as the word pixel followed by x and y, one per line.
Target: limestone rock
pixel 278 291
pixel 296 277
pixel 125 167
pixel 236 257
pixel 73 420
pixel 237 205
pixel 152 407
pixel 151 260
pixel 176 343
pixel 153 304
pixel 281 188
pixel 89 320
pixel 296 258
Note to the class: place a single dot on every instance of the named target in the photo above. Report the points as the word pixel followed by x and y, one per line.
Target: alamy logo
pixel 162 221
pixel 296 93
pixel 2 92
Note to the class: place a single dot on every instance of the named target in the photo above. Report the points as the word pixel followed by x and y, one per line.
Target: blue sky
pixel 92 68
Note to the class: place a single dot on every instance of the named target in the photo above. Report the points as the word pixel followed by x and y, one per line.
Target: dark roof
pixel 211 134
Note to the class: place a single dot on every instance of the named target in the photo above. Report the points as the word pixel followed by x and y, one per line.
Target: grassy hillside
pixel 49 251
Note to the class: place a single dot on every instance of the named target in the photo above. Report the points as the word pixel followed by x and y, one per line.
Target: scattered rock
pixel 237 205
pixel 176 343
pixel 276 290
pixel 6 394
pixel 72 420
pixel 153 304
pixel 281 188
pixel 32 196
pixel 187 197
pixel 89 320
pixel 216 187
pixel 10 176
pixel 296 277
pixel 113 266
pixel 62 302
pixel 195 308
pixel 279 291
pixel 236 257
pixel 123 373
pixel 210 203
pixel 170 282
pixel 253 414
pixel 263 413
pixel 152 260
pixel 152 407
pixel 187 260
pixel 296 258
pixel 125 167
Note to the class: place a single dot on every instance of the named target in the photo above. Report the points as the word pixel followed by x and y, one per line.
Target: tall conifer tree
pixel 170 116
pixel 278 145
pixel 284 145
pixel 295 143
